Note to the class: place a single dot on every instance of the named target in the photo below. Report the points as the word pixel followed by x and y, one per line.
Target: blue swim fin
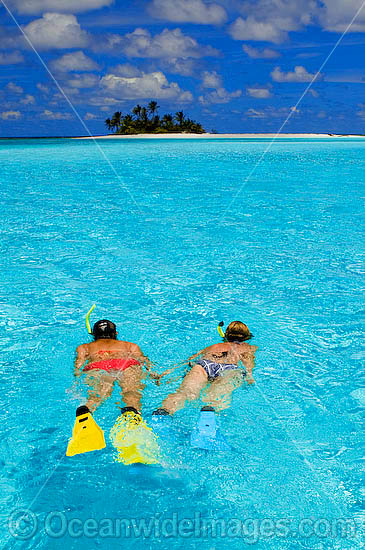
pixel 206 434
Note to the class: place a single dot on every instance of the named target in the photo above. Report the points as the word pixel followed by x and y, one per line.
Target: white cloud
pixel 167 44
pixel 349 76
pixel 184 66
pixel 30 7
pixel 188 11
pixel 271 20
pixel 28 100
pixel 11 115
pixel 56 31
pixel 335 15
pixel 44 89
pixel 251 29
pixel 83 81
pixel 256 53
pixel 51 115
pixel 126 69
pixel 74 61
pixel 211 80
pixel 259 93
pixel 220 95
pixel 253 113
pixel 90 116
pixel 300 74
pixel 147 85
pixel 11 58
pixel 14 88
pixel 313 93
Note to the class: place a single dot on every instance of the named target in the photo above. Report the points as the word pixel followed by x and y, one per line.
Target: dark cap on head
pixel 104 329
pixel 237 332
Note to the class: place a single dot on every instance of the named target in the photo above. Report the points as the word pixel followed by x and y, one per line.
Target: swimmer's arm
pixel 146 363
pixel 248 359
pixel 82 354
pixel 181 364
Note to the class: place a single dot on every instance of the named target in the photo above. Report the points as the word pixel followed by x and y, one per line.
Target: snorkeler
pixel 107 361
pixel 216 368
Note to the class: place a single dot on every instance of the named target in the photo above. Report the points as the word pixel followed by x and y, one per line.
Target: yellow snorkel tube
pixel 219 329
pixel 87 319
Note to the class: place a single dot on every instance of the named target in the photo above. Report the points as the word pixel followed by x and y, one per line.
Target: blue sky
pixel 233 65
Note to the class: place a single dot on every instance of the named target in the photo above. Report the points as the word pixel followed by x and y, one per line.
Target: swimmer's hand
pixel 156 377
pixel 250 379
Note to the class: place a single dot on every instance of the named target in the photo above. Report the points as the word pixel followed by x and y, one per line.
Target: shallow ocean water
pixel 168 249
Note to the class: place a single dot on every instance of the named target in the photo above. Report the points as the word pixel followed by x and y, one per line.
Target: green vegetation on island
pixel 145 120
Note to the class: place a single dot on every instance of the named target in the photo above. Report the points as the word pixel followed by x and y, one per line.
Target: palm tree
pixel 167 121
pixel 152 107
pixel 179 117
pixel 108 124
pixel 137 111
pixel 116 120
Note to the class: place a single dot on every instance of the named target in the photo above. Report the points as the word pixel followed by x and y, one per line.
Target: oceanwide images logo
pixel 23 524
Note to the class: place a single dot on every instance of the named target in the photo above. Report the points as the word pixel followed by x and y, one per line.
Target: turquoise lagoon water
pixel 164 252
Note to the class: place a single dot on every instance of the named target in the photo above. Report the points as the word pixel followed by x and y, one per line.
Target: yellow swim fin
pixel 133 439
pixel 87 435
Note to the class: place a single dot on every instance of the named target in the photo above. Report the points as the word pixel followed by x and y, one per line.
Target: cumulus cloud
pixel 211 79
pixel 28 100
pixel 252 29
pixel 300 74
pixel 167 44
pixel 33 7
pixel 271 21
pixel 184 66
pixel 14 88
pixel 256 53
pixel 126 69
pixel 220 95
pixel 11 115
pixel 335 15
pixel 75 61
pixel 56 31
pixel 146 85
pixel 188 11
pixel 51 115
pixel 83 81
pixel 11 58
pixel 259 93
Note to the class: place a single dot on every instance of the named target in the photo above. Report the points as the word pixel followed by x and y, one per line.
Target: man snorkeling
pixel 216 370
pixel 108 361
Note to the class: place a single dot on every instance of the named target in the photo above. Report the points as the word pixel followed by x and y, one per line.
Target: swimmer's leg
pixel 100 388
pixel 189 390
pixel 219 393
pixel 130 382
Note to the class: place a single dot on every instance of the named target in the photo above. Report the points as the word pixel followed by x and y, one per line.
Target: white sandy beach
pixel 219 136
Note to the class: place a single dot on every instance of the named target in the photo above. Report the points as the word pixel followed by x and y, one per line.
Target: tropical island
pixel 146 120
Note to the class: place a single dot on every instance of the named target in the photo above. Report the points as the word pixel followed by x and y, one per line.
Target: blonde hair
pixel 237 331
